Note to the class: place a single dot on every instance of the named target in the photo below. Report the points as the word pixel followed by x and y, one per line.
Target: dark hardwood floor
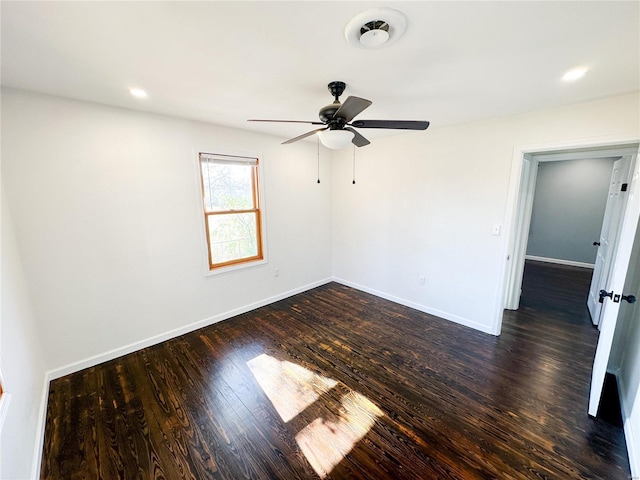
pixel 336 383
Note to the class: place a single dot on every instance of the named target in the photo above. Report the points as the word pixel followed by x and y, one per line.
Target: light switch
pixel 496 230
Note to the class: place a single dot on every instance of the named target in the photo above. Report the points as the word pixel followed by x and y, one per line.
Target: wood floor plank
pixel 335 383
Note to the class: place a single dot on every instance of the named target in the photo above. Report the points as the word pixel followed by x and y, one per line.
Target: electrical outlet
pixel 276 272
pixel 421 280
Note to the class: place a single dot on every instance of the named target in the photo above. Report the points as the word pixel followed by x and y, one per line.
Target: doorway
pixel 621 257
pixel 523 208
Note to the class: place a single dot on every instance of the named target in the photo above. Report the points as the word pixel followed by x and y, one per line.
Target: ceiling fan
pixel 338 130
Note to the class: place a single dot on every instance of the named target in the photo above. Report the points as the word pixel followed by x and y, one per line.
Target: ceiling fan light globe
pixel 374 38
pixel 336 139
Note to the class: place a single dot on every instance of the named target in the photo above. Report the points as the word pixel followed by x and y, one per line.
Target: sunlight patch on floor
pixel 292 388
pixel 326 442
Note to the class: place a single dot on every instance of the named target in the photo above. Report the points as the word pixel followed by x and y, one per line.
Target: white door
pixel 608 235
pixel 525 206
pixel 615 284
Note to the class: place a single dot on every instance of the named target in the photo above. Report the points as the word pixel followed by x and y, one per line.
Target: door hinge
pixel 624 187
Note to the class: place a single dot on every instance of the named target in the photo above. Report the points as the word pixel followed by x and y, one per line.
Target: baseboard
pixel 416 306
pixel 632 437
pixel 559 261
pixel 147 342
pixel 42 420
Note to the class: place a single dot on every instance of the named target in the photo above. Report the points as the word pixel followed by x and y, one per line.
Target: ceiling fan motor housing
pixel 327 112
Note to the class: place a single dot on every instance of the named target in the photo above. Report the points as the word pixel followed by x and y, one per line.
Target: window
pixel 232 214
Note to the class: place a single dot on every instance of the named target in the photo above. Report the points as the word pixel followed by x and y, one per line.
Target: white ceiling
pixel 226 62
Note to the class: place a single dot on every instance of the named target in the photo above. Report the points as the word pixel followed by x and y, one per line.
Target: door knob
pixel 604 294
pixel 596 244
pixel 629 298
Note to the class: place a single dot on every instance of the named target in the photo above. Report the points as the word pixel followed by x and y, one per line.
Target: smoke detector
pixel 375 28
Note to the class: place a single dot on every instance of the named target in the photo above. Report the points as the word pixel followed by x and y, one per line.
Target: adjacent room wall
pixel 23 367
pixel 106 206
pixel 568 208
pixel 426 203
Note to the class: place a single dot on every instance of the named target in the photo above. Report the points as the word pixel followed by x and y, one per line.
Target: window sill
pixel 232 268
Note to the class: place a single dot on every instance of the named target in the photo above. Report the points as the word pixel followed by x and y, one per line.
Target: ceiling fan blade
pixel 351 107
pixel 287 121
pixel 393 124
pixel 304 135
pixel 358 140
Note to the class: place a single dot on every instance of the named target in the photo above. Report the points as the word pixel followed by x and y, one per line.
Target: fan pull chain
pixel 354 165
pixel 318 138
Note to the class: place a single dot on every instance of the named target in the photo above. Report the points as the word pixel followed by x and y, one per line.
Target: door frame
pixel 521 191
pixel 616 283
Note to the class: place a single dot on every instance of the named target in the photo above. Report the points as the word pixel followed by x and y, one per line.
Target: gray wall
pixel 568 208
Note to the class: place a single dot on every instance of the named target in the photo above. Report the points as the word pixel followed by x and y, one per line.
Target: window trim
pixel 258 198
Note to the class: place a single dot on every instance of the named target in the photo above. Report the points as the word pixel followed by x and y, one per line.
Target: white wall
pixel 425 204
pixel 22 364
pixel 568 209
pixel 625 358
pixel 629 378
pixel 106 205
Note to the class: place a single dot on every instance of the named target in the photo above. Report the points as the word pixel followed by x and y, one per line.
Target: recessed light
pixel 574 74
pixel 138 93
